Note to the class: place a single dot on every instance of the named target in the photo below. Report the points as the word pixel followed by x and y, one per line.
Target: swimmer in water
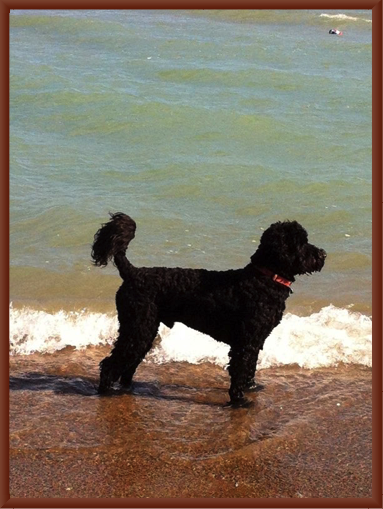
pixel 335 31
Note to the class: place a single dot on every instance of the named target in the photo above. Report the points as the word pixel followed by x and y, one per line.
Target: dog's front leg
pixel 240 370
pixel 251 384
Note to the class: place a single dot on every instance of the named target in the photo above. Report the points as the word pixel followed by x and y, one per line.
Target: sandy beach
pixel 154 443
pixel 277 471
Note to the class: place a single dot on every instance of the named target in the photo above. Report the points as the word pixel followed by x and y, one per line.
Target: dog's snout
pixel 323 254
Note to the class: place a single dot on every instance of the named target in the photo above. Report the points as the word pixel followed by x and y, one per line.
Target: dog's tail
pixel 112 240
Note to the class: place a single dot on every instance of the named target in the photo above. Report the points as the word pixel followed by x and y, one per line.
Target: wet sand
pixel 287 469
pixel 308 434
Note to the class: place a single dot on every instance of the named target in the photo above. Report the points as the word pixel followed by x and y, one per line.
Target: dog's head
pixel 284 249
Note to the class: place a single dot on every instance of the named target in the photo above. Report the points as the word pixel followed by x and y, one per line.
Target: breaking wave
pixel 323 339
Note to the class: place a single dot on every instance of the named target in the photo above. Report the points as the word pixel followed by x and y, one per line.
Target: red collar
pixel 275 277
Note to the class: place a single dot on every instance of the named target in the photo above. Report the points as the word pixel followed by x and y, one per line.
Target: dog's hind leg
pixel 133 359
pixel 112 366
pixel 110 371
pixel 129 350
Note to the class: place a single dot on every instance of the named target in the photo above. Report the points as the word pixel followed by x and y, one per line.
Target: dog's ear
pixel 276 237
pixel 286 235
pixel 270 245
pixel 279 243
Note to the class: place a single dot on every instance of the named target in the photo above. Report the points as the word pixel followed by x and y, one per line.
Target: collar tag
pixel 278 279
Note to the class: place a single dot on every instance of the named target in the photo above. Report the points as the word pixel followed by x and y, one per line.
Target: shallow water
pixel 177 407
pixel 175 412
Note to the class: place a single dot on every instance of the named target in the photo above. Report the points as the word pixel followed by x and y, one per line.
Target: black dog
pixel 238 307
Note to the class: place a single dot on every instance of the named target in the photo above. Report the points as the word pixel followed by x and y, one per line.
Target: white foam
pixel 322 339
pixel 344 17
pixel 183 344
pixel 37 331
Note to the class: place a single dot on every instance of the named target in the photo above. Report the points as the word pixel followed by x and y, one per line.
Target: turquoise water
pixel 205 127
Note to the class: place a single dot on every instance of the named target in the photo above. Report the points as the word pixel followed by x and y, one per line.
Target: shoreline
pixel 172 437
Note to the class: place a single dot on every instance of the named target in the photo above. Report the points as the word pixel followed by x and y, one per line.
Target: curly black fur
pixel 238 307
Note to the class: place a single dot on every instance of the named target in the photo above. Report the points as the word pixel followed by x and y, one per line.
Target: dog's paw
pixel 239 403
pixel 126 383
pixel 254 387
pixel 104 392
pixel 125 388
pixel 104 389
